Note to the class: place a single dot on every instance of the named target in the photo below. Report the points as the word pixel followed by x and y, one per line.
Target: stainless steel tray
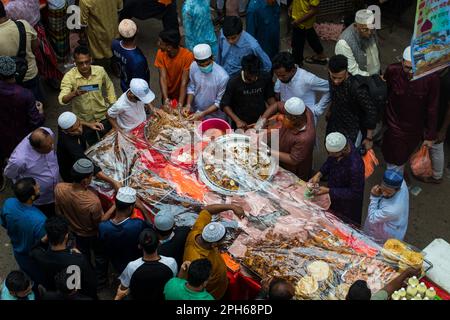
pixel 256 184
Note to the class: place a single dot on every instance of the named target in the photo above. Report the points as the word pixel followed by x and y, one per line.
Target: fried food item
pixel 395 246
pixel 307 287
pixel 413 258
pixel 319 270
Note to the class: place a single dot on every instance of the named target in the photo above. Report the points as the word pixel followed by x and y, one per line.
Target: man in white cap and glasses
pixel 120 234
pixel 72 145
pixel 128 60
pixel 345 170
pixel 207 84
pixel 202 243
pixel 297 136
pixel 129 111
pixel 172 239
pixel 411 112
pixel 359 44
pixel 81 206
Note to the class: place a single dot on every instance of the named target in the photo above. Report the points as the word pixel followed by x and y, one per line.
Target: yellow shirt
pixel 90 106
pixel 102 20
pixel 9 44
pixel 218 282
pixel 301 8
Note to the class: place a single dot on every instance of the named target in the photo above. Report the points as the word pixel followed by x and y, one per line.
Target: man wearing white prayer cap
pixel 345 171
pixel 207 84
pixel 72 145
pixel 411 113
pixel 172 238
pixel 297 136
pixel 359 44
pixel 202 242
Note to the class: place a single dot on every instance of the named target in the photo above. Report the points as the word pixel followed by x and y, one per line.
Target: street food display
pixel 286 232
pixel 231 163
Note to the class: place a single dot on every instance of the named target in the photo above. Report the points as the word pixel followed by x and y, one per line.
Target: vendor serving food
pixel 129 110
pixel 72 145
pixel 297 136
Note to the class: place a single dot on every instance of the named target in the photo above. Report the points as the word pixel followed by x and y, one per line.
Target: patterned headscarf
pixel 7 66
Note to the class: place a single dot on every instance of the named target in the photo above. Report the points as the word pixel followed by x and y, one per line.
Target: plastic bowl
pixel 213 123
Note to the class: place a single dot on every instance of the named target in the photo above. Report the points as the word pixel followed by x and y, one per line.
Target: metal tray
pixel 229 139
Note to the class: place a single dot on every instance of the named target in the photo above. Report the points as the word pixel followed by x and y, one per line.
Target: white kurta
pixel 128 114
pixel 372 54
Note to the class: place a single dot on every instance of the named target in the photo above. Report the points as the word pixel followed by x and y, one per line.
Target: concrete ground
pixel 429 213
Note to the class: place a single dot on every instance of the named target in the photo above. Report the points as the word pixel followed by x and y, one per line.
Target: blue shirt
pixel 388 217
pixel 132 64
pixel 25 224
pixel 121 241
pixel 230 56
pixel 5 295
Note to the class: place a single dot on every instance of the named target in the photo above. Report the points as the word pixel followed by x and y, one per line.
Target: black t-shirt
pixel 175 247
pixel 70 149
pixel 52 262
pixel 444 98
pixel 248 100
pixel 148 281
pixel 54 295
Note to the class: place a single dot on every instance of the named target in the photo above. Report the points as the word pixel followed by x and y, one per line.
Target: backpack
pixel 20 58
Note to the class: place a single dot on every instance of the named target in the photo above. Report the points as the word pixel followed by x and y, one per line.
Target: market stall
pixel 287 232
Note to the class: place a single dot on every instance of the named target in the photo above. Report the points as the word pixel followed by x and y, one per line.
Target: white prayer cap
pixel 164 221
pixel 295 106
pixel 83 166
pixel 335 142
pixel 213 232
pixel 66 120
pixel 365 16
pixel 126 194
pixel 127 28
pixel 407 54
pixel 202 51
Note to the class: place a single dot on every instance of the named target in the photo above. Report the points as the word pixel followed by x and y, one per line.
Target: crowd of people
pixel 57 221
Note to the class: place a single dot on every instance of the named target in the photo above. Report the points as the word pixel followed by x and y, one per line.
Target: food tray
pixel 251 183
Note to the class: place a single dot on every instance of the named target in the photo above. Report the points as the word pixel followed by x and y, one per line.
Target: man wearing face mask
pixel 24 224
pixel 35 157
pixel 388 209
pixel 345 170
pixel 411 112
pixel 72 145
pixel 207 85
pixel 297 137
pixel 359 44
pixel 248 94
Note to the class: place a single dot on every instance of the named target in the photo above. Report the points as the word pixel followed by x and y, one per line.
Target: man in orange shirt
pixel 173 63
pixel 202 242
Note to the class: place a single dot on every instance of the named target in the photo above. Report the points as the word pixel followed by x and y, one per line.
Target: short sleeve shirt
pixel 175 68
pixel 176 289
pixel 301 8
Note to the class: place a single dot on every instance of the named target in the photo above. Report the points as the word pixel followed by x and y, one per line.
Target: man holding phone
pixel 83 88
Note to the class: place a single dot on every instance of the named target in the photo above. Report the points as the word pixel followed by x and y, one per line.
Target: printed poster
pixel 431 40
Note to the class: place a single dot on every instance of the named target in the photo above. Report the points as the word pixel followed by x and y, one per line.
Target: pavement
pixel 429 213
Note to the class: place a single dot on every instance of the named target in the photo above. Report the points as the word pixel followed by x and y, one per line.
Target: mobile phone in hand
pixel 89 87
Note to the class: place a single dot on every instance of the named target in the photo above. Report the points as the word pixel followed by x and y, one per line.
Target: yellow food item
pixel 307 287
pixel 412 258
pixel 395 246
pixel 319 270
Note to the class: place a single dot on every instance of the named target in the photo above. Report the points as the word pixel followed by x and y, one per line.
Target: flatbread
pixel 307 287
pixel 319 270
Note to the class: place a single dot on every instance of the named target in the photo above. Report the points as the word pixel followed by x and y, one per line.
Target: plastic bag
pixel 421 163
pixel 370 162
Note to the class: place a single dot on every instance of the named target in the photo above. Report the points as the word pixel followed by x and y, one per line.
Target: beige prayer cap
pixel 127 28
pixel 365 16
pixel 335 142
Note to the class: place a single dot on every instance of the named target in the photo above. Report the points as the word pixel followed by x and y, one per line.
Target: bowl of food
pixel 213 128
